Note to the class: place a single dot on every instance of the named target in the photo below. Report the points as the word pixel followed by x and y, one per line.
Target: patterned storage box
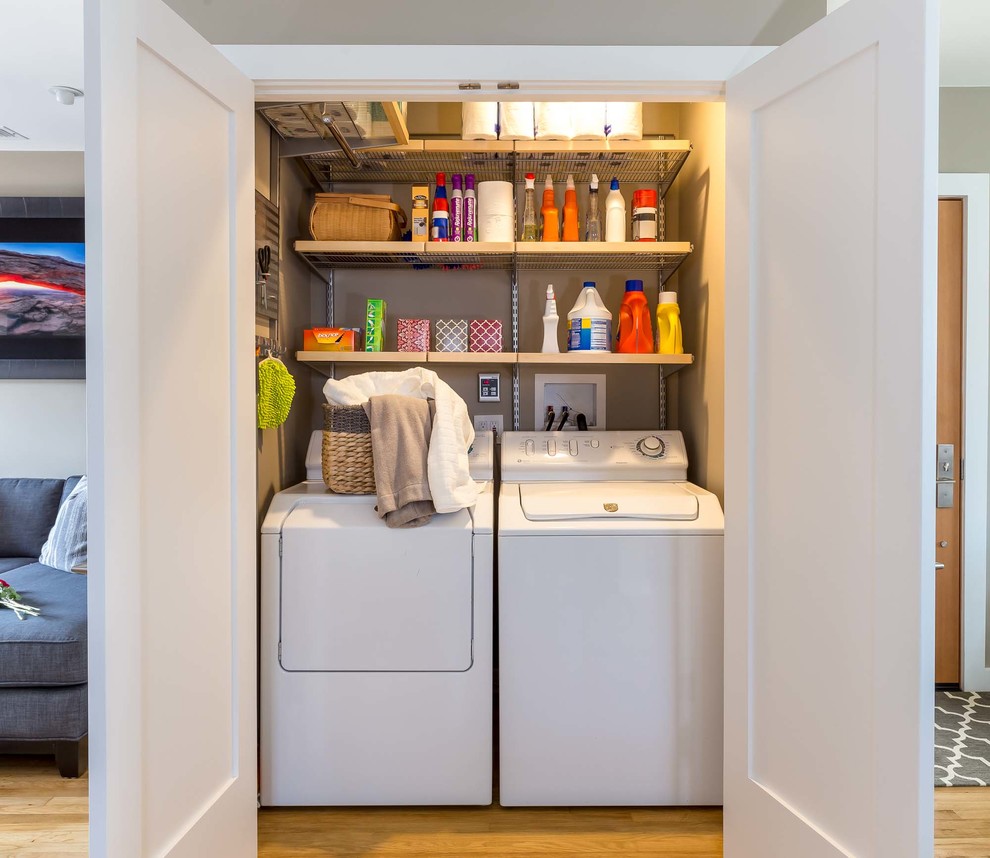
pixel 486 335
pixel 414 335
pixel 451 335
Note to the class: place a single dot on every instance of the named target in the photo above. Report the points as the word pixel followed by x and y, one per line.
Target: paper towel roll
pixel 553 120
pixel 624 120
pixel 515 120
pixel 479 120
pixel 587 120
pixel 496 211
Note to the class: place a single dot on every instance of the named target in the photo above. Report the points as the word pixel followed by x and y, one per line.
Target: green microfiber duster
pixel 276 388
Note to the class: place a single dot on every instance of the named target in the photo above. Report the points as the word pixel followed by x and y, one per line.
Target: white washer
pixel 376 649
pixel 610 622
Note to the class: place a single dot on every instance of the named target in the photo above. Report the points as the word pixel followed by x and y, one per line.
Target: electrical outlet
pixel 487 422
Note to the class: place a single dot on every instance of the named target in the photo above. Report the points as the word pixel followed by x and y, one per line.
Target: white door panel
pixel 170 176
pixel 830 434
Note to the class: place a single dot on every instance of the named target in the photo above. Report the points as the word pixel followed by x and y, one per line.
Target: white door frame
pixel 974 191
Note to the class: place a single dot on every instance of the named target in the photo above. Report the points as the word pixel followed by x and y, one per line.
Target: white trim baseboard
pixel 974 190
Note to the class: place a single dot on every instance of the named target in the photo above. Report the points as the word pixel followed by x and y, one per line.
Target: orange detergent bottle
pixel 635 325
pixel 550 214
pixel 571 232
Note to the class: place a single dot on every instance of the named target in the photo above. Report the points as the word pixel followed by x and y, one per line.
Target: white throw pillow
pixel 67 541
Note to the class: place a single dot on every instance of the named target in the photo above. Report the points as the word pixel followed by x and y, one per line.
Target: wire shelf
pixel 662 257
pixel 646 162
pixel 405 254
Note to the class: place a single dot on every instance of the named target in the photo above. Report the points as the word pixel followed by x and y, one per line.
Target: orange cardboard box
pixel 330 339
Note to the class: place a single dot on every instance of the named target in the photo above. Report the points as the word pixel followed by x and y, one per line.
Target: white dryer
pixel 376 650
pixel 610 623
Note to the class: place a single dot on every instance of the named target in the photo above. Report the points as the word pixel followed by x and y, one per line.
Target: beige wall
pixel 42 422
pixel 964 130
pixel 698 403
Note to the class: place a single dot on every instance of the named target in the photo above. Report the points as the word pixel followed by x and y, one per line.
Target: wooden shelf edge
pixel 669 362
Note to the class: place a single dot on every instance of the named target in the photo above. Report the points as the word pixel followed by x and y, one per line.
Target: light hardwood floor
pixel 43 814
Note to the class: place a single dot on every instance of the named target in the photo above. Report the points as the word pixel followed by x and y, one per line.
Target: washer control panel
pixel 593 456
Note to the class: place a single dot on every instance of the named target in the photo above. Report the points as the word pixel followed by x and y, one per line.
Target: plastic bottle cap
pixel 550 291
pixel 594 181
pixel 549 183
pixel 637 286
pixel 530 179
pixel 615 184
pixel 441 178
pixel 590 284
pixel 570 182
pixel 469 181
pixel 668 297
pixel 456 179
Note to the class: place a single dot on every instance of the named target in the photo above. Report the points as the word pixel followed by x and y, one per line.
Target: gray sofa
pixel 43 691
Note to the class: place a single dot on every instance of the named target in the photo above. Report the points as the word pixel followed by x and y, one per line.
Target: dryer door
pixel 358 596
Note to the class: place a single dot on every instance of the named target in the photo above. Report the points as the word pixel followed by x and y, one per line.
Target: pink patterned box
pixel 486 335
pixel 414 335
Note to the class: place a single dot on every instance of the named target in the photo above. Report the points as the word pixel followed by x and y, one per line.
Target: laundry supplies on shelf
pixel 440 226
pixel 451 335
pixel 374 339
pixel 615 214
pixel 635 327
pixel 485 335
pixel 515 120
pixel 479 120
pixel 413 335
pixel 624 120
pixel 571 231
pixel 593 225
pixel 496 211
pixel 331 339
pixel 644 215
pixel 588 120
pixel 529 230
pixel 669 325
pixel 420 213
pixel 550 322
pixel 456 209
pixel 549 214
pixel 470 209
pixel 589 322
pixel 553 120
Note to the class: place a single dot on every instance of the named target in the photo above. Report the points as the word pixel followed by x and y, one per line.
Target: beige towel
pixel 400 444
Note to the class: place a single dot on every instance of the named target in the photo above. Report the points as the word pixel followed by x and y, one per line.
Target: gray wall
pixel 43 422
pixel 964 130
pixel 510 22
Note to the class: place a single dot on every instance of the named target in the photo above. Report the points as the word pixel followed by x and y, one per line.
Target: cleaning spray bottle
pixel 571 231
pixel 589 323
pixel 441 211
pixel 593 228
pixel 529 210
pixel 615 214
pixel 550 321
pixel 550 213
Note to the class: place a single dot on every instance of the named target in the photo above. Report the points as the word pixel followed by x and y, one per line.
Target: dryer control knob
pixel 652 446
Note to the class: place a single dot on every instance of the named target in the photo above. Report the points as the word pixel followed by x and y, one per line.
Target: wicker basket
pixel 356 217
pixel 348 467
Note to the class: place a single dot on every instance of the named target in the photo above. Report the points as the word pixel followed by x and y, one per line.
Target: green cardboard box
pixel 374 337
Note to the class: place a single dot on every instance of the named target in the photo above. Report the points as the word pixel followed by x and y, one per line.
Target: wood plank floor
pixel 43 814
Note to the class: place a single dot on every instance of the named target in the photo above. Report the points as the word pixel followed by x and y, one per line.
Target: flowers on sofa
pixel 10 598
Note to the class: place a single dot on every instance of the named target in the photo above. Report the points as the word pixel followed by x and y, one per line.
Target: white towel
pixel 515 120
pixel 587 120
pixel 452 435
pixel 479 120
pixel 624 120
pixel 553 120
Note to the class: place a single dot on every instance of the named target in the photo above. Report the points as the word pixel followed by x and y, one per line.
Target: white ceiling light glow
pixel 65 94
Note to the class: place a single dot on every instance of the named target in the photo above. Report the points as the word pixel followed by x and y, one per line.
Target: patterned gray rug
pixel 962 738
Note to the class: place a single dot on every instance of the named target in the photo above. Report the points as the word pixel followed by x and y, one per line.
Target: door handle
pixel 939 566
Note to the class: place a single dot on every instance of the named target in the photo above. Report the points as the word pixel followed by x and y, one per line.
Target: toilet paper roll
pixel 553 120
pixel 479 120
pixel 496 211
pixel 624 120
pixel 587 120
pixel 515 120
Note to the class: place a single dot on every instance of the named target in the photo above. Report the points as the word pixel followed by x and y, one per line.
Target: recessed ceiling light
pixel 65 94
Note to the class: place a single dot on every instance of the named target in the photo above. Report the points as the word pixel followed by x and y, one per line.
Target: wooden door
pixel 171 417
pixel 948 531
pixel 830 300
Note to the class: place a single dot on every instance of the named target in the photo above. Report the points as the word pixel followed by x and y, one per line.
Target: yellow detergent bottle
pixel 669 325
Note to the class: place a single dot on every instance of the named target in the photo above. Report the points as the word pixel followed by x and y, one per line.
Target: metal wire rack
pixel 410 164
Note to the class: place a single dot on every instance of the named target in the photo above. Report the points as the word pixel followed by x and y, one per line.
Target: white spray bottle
pixel 550 321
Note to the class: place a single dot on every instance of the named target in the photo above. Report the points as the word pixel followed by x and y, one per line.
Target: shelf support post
pixel 515 343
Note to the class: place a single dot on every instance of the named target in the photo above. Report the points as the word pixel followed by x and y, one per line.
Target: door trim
pixel 974 191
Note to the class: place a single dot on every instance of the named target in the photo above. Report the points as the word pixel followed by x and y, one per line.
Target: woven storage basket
pixel 356 217
pixel 348 467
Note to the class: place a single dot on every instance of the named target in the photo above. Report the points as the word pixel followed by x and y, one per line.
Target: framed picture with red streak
pixel 42 297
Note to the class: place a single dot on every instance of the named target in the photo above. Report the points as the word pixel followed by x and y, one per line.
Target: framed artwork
pixel 42 297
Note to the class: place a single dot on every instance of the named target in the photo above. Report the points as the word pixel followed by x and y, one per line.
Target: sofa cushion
pixel 8 563
pixel 27 512
pixel 67 544
pixel 50 649
pixel 44 713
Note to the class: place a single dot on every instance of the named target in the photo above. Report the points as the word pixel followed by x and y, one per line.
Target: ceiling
pixel 42 47
pixel 43 40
